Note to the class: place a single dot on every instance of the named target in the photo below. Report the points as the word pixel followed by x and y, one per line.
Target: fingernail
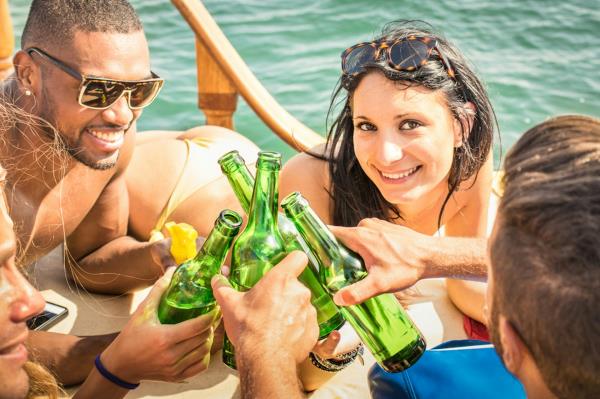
pixel 339 299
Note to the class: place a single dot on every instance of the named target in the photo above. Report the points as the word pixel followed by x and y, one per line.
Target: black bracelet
pixel 349 357
pixel 111 377
pixel 339 362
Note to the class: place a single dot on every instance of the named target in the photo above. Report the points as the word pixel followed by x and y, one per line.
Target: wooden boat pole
pixel 217 95
pixel 7 41
pixel 216 44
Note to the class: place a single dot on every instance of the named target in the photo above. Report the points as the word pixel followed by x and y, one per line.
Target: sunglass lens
pixel 144 93
pixel 357 58
pixel 410 54
pixel 100 94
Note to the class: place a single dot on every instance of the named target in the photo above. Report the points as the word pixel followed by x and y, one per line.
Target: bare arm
pixel 149 350
pixel 268 376
pixel 70 358
pixel 397 257
pixel 472 221
pixel 104 258
pixel 122 265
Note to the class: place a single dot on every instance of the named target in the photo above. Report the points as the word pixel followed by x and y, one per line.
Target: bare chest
pixel 44 218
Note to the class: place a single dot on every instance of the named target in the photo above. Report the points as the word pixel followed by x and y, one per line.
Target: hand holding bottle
pixel 160 251
pixel 394 256
pixel 275 317
pixel 148 350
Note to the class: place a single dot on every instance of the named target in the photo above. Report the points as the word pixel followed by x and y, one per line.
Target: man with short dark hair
pixel 545 260
pixel 81 81
pixel 544 273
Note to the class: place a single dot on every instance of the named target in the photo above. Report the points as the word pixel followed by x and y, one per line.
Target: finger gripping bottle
pixel 329 316
pixel 189 293
pixel 380 322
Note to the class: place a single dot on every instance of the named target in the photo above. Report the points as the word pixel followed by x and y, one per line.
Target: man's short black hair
pixel 53 22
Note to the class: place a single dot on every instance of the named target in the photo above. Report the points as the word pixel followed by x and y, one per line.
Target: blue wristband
pixel 111 377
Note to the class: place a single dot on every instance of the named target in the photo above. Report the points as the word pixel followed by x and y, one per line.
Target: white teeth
pixel 111 137
pixel 400 175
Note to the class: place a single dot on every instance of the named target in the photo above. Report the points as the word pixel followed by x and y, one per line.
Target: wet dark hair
pixel 354 195
pixel 53 22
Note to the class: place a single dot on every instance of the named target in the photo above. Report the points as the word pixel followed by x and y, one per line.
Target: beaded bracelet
pixel 337 363
pixel 111 377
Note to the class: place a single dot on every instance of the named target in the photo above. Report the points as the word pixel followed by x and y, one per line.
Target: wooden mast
pixel 222 73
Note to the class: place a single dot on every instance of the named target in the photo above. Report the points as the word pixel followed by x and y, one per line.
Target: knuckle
pixel 381 284
pixel 305 294
pixel 312 313
pixel 161 342
pixel 169 358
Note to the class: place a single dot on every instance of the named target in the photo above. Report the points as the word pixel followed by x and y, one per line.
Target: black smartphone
pixel 51 315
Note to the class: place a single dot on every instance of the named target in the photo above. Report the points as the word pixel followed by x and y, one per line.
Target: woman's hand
pixel 148 350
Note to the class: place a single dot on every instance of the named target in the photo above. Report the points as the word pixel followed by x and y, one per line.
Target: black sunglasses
pixel 407 54
pixel 101 93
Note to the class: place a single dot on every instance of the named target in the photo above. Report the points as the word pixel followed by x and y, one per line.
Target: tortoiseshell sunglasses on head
pixel 407 54
pixel 101 93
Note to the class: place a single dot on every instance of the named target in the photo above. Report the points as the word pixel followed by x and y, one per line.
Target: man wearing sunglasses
pixel 81 81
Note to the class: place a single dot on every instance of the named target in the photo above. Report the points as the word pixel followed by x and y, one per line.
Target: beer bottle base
pixel 405 357
pixel 335 323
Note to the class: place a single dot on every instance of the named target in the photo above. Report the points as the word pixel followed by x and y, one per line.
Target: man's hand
pixel 394 255
pixel 149 350
pixel 161 252
pixel 275 318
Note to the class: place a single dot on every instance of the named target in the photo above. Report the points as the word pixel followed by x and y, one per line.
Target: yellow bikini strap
pixel 174 200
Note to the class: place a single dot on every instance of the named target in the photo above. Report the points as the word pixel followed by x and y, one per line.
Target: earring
pixel 27 92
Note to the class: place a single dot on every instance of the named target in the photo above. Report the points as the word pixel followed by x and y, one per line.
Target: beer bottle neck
pixel 211 256
pixel 317 236
pixel 338 266
pixel 263 211
pixel 242 183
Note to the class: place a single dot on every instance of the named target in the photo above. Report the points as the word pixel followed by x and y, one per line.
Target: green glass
pixel 190 294
pixel 260 246
pixel 329 316
pixel 381 323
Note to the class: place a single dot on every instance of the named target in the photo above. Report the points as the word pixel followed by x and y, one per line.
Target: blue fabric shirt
pixel 465 369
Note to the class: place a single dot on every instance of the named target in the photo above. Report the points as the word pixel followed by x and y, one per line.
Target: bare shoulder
pixel 310 176
pixel 472 203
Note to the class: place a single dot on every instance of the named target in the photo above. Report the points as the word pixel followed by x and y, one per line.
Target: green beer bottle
pixel 260 246
pixel 189 293
pixel 242 182
pixel 380 322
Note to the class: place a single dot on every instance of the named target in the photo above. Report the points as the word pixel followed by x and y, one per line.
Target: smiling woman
pixel 411 145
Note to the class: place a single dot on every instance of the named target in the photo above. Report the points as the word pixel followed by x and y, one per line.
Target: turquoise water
pixel 538 58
